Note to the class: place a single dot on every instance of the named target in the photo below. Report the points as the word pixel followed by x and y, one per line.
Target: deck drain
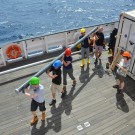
pixel 86 124
pixel 79 128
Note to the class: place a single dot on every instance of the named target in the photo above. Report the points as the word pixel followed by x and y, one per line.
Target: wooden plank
pixel 118 129
pixel 121 119
pixel 116 59
pixel 126 131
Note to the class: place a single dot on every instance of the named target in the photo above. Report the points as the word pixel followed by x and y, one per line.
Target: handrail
pixel 32 37
pixel 30 65
pixel 42 45
pixel 36 63
pixel 26 84
pixel 25 66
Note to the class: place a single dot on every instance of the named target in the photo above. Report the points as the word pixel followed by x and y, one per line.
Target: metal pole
pixel 44 69
pixel 25 66
pixel 31 65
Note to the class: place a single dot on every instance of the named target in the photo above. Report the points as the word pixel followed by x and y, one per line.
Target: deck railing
pixel 42 45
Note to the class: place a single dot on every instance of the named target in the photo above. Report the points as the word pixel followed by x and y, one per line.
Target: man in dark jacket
pixel 99 43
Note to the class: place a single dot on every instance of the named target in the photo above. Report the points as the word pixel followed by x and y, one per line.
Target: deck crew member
pixel 67 69
pixel 99 44
pixel 85 44
pixel 122 70
pixel 112 43
pixel 36 92
pixel 56 79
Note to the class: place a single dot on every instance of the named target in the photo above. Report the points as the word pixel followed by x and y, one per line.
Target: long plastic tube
pixel 44 69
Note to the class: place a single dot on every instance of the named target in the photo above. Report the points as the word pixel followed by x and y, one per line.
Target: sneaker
pixel 34 120
pixel 116 86
pixel 53 102
pixel 43 116
pixel 63 94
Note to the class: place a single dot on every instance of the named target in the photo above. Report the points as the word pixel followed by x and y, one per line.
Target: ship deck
pixel 92 105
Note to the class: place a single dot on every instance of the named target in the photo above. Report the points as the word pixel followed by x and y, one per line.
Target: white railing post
pixel 66 41
pixel 43 43
pixel 25 49
pixel 3 58
pixel 46 44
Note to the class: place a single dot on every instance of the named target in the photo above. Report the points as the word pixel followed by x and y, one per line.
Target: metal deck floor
pixel 93 100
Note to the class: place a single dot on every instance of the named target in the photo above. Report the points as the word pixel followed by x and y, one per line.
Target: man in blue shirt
pixel 67 69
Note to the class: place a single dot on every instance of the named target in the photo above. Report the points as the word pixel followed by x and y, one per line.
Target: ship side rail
pixel 45 44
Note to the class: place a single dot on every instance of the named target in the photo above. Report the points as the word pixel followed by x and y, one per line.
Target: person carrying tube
pixel 92 44
pixel 122 70
pixel 67 69
pixel 56 79
pixel 99 44
pixel 85 44
pixel 36 92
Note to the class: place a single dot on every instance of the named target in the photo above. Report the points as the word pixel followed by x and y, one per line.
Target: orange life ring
pixel 13 51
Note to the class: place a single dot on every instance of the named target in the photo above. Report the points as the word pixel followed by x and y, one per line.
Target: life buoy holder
pixel 13 51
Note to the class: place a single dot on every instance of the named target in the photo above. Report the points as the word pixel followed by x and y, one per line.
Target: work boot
pixel 53 102
pixel 34 120
pixel 83 63
pixel 74 83
pixel 63 94
pixel 116 86
pixel 88 61
pixel 43 116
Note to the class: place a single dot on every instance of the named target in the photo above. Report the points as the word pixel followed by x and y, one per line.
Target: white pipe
pixel 25 66
pixel 30 65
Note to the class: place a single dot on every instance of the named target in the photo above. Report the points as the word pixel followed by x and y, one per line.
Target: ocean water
pixel 24 18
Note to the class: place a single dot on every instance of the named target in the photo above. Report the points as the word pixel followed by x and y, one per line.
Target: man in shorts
pixel 99 44
pixel 122 70
pixel 36 92
pixel 56 79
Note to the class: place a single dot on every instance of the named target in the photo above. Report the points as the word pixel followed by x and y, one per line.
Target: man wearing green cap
pixel 36 92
